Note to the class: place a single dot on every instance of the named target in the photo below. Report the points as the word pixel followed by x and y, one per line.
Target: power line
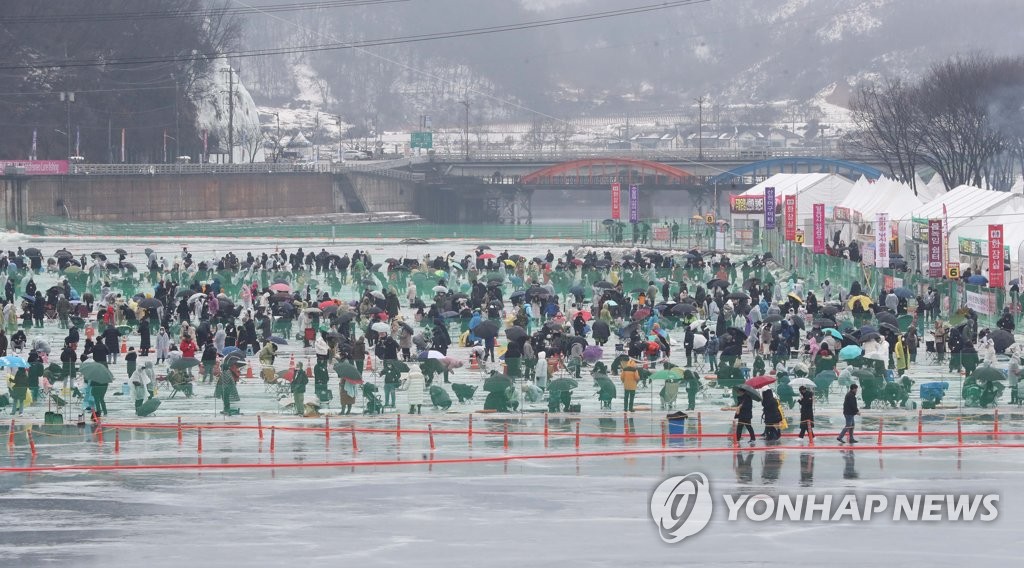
pixel 340 45
pixel 199 14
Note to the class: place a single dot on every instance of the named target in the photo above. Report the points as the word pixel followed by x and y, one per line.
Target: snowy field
pixel 534 503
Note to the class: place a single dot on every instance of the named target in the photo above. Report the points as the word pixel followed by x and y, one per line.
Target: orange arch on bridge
pixel 586 170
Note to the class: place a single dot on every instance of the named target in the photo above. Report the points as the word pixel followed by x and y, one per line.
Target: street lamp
pixel 68 97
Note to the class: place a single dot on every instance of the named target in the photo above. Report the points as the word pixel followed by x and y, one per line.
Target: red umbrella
pixel 586 315
pixel 280 287
pixel 486 256
pixel 324 305
pixel 761 381
pixel 353 380
pixel 641 314
pixel 577 261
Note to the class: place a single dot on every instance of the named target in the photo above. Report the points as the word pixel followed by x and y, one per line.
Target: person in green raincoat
pixel 225 389
pixel 299 382
pixel 692 388
pixel 321 378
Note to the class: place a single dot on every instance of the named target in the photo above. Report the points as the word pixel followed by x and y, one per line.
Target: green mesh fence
pixel 954 295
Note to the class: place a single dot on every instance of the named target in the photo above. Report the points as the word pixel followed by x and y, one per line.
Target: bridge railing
pixel 386 168
pixel 652 154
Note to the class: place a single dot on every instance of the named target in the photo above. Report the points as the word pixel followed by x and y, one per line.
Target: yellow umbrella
pixel 510 262
pixel 865 302
pixel 795 297
pixel 500 350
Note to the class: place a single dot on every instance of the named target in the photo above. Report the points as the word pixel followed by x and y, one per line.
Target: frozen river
pixel 468 502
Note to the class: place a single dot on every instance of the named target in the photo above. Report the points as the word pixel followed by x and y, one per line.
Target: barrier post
pixel 469 432
pixel 663 433
pixel 259 425
pixel 625 424
pixel 327 430
pixel 810 434
pixel 179 431
pixel 398 427
pixel 995 423
pixel 735 438
pixel 505 442
pixel 273 431
pixel 31 442
pixel 959 432
pixel 920 426
pixel 355 444
pixel 577 435
pixel 117 440
pixel 545 429
pixel 199 440
pixel 700 427
pixel 880 422
pixel 10 434
pixel 430 433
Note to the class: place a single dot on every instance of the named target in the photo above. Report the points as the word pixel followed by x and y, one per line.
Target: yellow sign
pixel 952 272
pixel 709 219
pixel 799 237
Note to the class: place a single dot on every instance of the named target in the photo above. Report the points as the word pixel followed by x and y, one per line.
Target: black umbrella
pixel 683 309
pixel 737 332
pixel 603 284
pixel 1002 339
pixel 33 252
pixel 750 282
pixel 121 251
pixel 772 318
pixel 537 291
pixel 886 317
pixel 718 282
pixel 99 255
pixel 497 382
pixel 874 335
pixel 737 296
pixel 150 303
pixel 486 329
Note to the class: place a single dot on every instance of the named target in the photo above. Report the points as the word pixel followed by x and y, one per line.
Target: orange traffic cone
pixel 474 363
pixel 291 362
pixel 248 372
pixel 369 363
pixel 124 345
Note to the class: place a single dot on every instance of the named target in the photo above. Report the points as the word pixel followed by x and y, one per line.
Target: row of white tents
pixel 851 209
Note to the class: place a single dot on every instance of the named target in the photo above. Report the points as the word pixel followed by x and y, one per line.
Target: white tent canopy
pixel 809 189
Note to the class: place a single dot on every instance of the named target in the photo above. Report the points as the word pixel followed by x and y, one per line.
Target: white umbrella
pixel 440 290
pixel 381 327
pixel 196 297
pixel 699 341
pixel 435 354
pixel 801 382
pixel 377 294
pixel 696 324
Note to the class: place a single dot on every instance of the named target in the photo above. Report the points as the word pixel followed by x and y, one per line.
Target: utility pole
pixel 68 97
pixel 338 118
pixel 700 126
pixel 465 103
pixel 277 142
pixel 231 114
pixel 177 124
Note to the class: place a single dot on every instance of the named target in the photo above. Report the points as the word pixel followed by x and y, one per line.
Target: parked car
pixel 355 155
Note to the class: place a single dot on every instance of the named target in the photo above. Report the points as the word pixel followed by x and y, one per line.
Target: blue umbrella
pixel 13 362
pixel 903 292
pixel 850 352
pixel 977 279
pixel 278 340
pixel 833 332
pixel 229 350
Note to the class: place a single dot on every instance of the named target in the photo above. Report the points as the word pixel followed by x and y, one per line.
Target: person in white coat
pixel 541 370
pixel 163 345
pixel 415 385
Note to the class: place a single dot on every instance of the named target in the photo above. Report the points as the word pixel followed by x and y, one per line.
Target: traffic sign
pixel 421 140
pixel 953 271
pixel 799 237
pixel 709 218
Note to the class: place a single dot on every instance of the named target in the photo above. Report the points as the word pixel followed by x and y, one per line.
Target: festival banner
pixel 634 203
pixel 616 201
pixel 769 208
pixel 981 302
pixel 33 155
pixel 819 228
pixel 789 210
pixel 37 167
pixel 882 233
pixel 840 213
pixel 744 204
pixel 996 275
pixel 124 134
pixel 78 141
pixel 935 248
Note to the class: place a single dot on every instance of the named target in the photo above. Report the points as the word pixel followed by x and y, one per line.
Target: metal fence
pixel 387 168
pixel 653 154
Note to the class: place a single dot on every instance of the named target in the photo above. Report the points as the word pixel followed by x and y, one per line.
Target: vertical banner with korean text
pixel 769 208
pixel 616 201
pixel 935 248
pixel 995 257
pixel 819 228
pixel 634 203
pixel 882 240
pixel 789 210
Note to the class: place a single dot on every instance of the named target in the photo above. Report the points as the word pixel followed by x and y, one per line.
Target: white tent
pixel 969 210
pixel 855 216
pixel 809 189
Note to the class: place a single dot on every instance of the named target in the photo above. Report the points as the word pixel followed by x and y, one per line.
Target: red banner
pixel 935 248
pixel 819 228
pixel 37 167
pixel 616 201
pixel 995 257
pixel 789 207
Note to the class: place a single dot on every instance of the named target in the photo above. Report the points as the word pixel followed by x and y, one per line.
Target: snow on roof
pixel 965 204
pixel 869 197
pixel 787 184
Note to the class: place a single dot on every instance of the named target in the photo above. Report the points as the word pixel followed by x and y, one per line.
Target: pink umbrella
pixel 280 287
pixel 761 381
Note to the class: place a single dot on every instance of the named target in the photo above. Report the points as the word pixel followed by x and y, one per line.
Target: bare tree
pixel 885 114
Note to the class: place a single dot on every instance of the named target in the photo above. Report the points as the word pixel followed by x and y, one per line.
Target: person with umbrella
pixel 850 412
pixel 910 340
pixel 771 414
pixel 744 415
pixel 629 376
pixel 298 387
pixel 688 344
pixel 19 392
pixel 940 335
pixel 806 412
pixel 230 374
pixel 825 360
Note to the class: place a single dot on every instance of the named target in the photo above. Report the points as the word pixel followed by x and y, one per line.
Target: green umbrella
pixel 986 374
pixel 96 373
pixel 497 382
pixel 184 363
pixel 346 370
pixel 397 365
pixel 664 375
pixel 431 367
pixel 562 385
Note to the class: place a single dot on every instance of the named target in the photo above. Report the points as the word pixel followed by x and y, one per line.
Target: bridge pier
pixel 510 204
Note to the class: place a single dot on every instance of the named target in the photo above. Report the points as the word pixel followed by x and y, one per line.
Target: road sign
pixel 421 140
pixel 952 271
pixel 799 237
pixel 709 219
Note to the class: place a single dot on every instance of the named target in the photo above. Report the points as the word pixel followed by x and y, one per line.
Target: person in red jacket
pixel 188 347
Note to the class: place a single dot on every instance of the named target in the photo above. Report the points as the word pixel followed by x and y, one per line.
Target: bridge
pixel 601 172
